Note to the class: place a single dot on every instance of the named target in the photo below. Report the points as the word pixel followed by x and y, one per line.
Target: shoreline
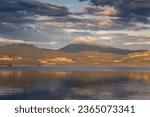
pixel 78 68
pixel 121 65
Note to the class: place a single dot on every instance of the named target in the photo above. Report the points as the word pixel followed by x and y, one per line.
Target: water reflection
pixel 19 84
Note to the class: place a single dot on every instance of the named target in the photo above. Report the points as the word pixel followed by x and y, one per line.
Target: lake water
pixel 74 83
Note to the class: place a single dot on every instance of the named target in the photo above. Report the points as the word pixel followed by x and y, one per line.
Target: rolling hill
pixel 75 54
pixel 142 58
pixel 24 54
pixel 26 50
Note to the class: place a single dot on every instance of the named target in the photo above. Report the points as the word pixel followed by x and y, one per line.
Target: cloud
pixel 106 23
pixel 52 43
pixel 21 11
pixel 100 11
pixel 130 9
pixel 14 41
pixel 85 39
pixel 7 41
pixel 21 21
pixel 59 24
pixel 106 38
pixel 89 40
pixel 108 12
pixel 144 33
pixel 77 31
pixel 137 43
pixel 101 2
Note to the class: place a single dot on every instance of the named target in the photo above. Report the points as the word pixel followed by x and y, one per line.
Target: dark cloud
pixel 23 10
pixel 20 19
pixel 101 2
pixel 100 11
pixel 132 9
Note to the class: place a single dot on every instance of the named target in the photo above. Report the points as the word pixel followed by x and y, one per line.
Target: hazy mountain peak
pixel 90 43
pixel 80 46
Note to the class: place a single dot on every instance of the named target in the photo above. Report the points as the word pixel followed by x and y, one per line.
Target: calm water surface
pixel 74 83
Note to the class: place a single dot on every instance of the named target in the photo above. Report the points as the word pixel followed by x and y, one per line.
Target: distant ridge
pixel 27 50
pixel 80 47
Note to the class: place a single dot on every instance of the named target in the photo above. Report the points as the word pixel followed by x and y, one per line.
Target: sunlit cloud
pixel 13 41
pixel 99 11
pixel 106 38
pixel 106 23
pixel 109 12
pixel 137 43
pixel 52 43
pixel 59 24
pixel 110 32
pixel 7 41
pixel 85 39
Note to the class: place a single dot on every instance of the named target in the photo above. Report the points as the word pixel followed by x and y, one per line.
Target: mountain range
pixel 73 54
pixel 81 47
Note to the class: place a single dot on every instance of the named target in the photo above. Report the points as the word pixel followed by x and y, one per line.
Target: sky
pixel 56 23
